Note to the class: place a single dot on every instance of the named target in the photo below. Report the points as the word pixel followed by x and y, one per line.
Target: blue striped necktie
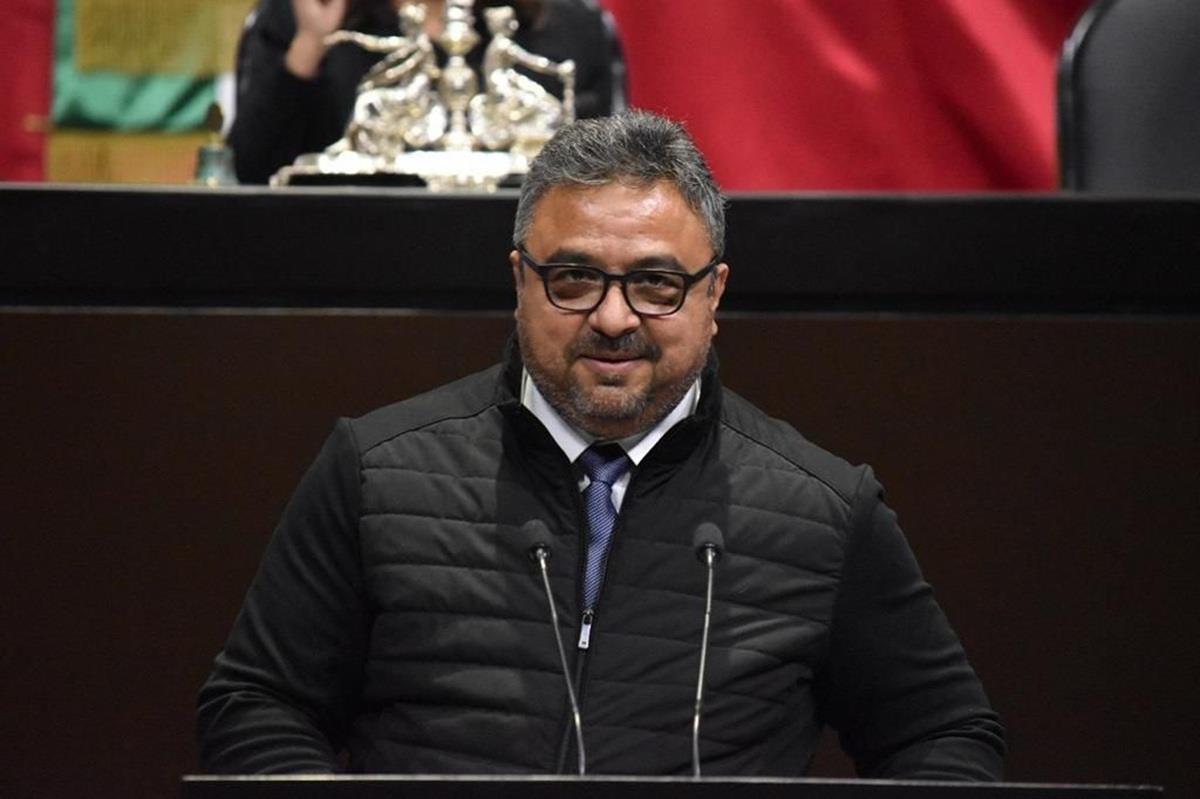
pixel 604 464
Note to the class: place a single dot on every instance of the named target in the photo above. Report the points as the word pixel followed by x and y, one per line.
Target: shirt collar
pixel 573 441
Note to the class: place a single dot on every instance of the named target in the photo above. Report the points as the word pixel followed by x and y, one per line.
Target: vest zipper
pixel 585 628
pixel 587 621
pixel 565 747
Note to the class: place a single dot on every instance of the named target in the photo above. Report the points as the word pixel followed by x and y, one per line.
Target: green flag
pixel 133 65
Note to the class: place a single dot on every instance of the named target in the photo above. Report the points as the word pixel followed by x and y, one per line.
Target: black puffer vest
pixel 463 674
pixel 397 614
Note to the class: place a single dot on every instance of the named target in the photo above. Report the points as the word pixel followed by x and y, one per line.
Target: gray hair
pixel 632 146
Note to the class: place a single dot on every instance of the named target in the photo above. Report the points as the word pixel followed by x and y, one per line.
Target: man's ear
pixel 716 289
pixel 514 261
pixel 716 285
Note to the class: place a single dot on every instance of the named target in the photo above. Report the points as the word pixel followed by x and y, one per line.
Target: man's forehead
pixel 621 184
pixel 636 207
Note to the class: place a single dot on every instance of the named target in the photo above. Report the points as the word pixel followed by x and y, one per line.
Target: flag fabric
pixel 133 81
pixel 856 94
pixel 861 95
pixel 131 65
pixel 26 31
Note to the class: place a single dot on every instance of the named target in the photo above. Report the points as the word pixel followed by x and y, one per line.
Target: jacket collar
pixel 679 442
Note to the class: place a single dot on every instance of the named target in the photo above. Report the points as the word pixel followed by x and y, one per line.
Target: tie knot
pixel 604 463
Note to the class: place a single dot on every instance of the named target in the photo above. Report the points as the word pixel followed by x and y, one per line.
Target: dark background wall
pixel 1044 469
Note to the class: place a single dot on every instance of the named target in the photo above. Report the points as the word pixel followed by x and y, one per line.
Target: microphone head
pixel 708 536
pixel 534 535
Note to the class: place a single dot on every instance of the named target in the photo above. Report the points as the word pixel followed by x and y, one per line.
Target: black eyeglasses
pixel 649 292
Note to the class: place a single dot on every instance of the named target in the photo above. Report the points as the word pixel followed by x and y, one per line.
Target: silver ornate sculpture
pixel 412 117
pixel 515 112
pixel 397 104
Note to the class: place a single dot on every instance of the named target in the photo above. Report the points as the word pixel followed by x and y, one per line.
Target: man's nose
pixel 613 317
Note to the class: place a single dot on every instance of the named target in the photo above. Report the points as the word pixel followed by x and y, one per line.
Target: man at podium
pixel 401 620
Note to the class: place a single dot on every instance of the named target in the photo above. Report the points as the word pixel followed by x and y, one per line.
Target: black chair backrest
pixel 1129 98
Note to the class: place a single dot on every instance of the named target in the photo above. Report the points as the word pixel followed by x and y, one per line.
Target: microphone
pixel 708 543
pixel 536 541
pixel 707 539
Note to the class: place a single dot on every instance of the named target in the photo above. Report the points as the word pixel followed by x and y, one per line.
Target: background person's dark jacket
pixel 279 116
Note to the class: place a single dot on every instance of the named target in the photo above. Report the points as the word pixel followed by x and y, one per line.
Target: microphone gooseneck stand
pixel 708 542
pixel 539 550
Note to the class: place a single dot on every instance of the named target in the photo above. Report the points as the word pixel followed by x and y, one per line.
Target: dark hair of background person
pixel 382 13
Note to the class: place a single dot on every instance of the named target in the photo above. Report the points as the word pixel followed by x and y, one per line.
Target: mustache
pixel 632 345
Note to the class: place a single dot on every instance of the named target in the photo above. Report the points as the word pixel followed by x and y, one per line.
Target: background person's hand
pixel 315 19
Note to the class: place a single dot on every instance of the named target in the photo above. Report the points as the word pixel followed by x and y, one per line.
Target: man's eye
pixel 569 275
pixel 654 280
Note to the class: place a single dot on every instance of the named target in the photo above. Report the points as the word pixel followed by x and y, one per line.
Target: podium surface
pixel 601 787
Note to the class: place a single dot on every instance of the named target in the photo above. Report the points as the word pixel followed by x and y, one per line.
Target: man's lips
pixel 610 363
pixel 611 356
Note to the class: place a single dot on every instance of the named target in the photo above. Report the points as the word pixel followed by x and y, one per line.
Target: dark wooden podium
pixel 405 248
pixel 1022 370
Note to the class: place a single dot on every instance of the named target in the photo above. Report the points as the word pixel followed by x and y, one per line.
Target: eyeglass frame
pixel 689 279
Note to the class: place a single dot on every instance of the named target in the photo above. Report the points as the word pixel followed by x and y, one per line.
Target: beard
pixel 610 409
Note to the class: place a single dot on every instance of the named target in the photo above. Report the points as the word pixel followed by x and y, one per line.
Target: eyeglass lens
pixel 648 292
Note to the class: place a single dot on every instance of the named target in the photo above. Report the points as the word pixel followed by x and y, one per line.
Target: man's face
pixel 610 371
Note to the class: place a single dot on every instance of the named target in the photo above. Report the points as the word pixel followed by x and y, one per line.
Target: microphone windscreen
pixel 532 536
pixel 707 535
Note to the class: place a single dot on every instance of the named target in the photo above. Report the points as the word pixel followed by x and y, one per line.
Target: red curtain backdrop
pixel 780 94
pixel 856 94
pixel 26 33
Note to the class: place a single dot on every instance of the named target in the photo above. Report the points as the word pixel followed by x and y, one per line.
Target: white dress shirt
pixel 573 441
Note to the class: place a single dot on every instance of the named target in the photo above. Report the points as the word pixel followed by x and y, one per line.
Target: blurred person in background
pixel 295 95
